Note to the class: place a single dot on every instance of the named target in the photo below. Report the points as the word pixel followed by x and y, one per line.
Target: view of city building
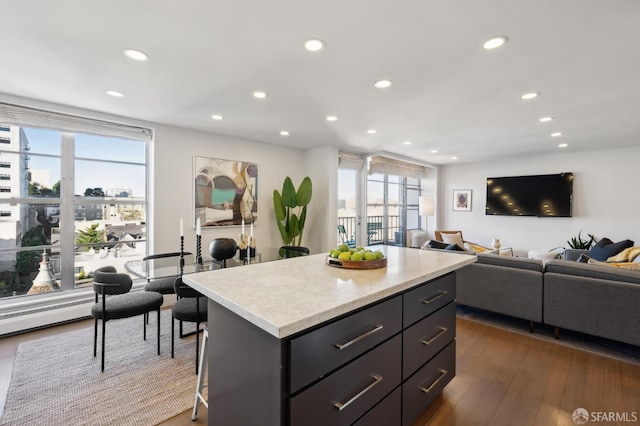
pixel 107 207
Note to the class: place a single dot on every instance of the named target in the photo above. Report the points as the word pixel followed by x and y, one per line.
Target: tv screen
pixel 538 195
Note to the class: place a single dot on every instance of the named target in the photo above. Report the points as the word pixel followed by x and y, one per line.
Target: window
pixel 5 140
pixel 4 128
pixel 392 208
pixel 80 228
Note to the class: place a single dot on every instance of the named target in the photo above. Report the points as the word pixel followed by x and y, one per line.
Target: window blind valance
pixel 31 117
pixel 391 166
pixel 348 160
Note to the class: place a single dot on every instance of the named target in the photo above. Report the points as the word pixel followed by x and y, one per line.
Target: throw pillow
pixel 436 244
pixel 605 249
pixel 454 247
pixel 453 239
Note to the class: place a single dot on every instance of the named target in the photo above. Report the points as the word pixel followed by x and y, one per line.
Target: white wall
pixel 605 200
pixel 173 152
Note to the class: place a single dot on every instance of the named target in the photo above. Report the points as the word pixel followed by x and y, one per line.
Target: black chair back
pixel 293 251
pixel 119 283
pixel 183 290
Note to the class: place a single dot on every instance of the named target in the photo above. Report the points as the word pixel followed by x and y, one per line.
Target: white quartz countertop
pixel 286 296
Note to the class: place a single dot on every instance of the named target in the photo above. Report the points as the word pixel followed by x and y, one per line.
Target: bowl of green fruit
pixel 355 258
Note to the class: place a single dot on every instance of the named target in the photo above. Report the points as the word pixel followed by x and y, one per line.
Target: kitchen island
pixel 296 341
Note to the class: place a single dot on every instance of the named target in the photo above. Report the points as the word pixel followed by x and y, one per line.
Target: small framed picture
pixel 462 200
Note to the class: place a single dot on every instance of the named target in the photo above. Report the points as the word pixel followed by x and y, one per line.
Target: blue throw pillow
pixel 436 244
pixel 605 248
pixel 454 247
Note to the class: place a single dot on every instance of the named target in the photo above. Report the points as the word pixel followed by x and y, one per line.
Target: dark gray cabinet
pixel 380 365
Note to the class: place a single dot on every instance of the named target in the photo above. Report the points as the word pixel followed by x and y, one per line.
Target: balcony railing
pixel 377 233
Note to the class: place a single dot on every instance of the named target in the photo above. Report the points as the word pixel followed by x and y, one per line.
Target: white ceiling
pixel 207 57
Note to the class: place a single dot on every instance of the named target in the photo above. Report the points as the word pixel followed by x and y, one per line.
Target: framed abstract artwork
pixel 462 200
pixel 225 191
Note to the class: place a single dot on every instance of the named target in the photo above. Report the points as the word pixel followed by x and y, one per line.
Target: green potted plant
pixel 291 210
pixel 578 243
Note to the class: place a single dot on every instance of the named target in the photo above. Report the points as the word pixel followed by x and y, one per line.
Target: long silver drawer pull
pixel 440 333
pixel 375 328
pixel 442 374
pixel 437 296
pixel 376 379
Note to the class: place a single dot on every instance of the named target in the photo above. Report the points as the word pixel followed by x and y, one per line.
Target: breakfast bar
pixel 300 342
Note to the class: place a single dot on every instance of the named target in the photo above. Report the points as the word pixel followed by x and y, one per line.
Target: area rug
pixel 593 344
pixel 57 381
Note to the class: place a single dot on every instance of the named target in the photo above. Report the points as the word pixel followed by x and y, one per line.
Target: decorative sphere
pixel 223 248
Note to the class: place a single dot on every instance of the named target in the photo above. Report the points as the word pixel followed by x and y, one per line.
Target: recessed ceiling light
pixel 494 43
pixel 545 119
pixel 259 95
pixel 314 44
pixel 528 96
pixel 563 145
pixel 407 142
pixel 284 133
pixel 454 158
pixel 372 131
pixel 556 134
pixel 114 93
pixel 216 117
pixel 382 84
pixel 434 151
pixel 136 55
pixel 332 118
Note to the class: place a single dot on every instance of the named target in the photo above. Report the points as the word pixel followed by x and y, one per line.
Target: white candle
pixel 198 227
pixel 252 229
pixel 242 226
pixel 181 227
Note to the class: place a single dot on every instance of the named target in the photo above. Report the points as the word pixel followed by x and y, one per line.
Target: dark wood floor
pixel 503 378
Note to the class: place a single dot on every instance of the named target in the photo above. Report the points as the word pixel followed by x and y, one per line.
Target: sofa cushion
pixel 455 238
pixel 511 262
pixel 592 271
pixel 605 248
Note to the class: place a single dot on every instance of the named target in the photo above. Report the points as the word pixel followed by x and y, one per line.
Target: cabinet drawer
pixel 428 298
pixel 321 351
pixel 427 337
pixel 344 396
pixel 423 387
pixel 386 413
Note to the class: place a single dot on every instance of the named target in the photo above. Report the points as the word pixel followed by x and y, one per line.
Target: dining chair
pixel 191 306
pixel 163 285
pixel 118 302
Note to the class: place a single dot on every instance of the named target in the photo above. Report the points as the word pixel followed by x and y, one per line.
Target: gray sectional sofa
pixel 598 300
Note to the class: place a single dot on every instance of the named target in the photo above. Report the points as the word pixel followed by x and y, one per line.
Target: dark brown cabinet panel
pixel 419 391
pixel 428 298
pixel 426 338
pixel 321 351
pixel 344 396
pixel 386 413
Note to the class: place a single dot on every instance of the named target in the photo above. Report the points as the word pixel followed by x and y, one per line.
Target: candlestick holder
pixel 252 246
pixel 198 249
pixel 242 247
pixel 181 254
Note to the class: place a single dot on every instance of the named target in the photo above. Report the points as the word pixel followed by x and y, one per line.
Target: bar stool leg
pixel 202 373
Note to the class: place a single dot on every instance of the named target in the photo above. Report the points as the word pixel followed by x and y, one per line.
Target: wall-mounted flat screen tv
pixel 538 195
